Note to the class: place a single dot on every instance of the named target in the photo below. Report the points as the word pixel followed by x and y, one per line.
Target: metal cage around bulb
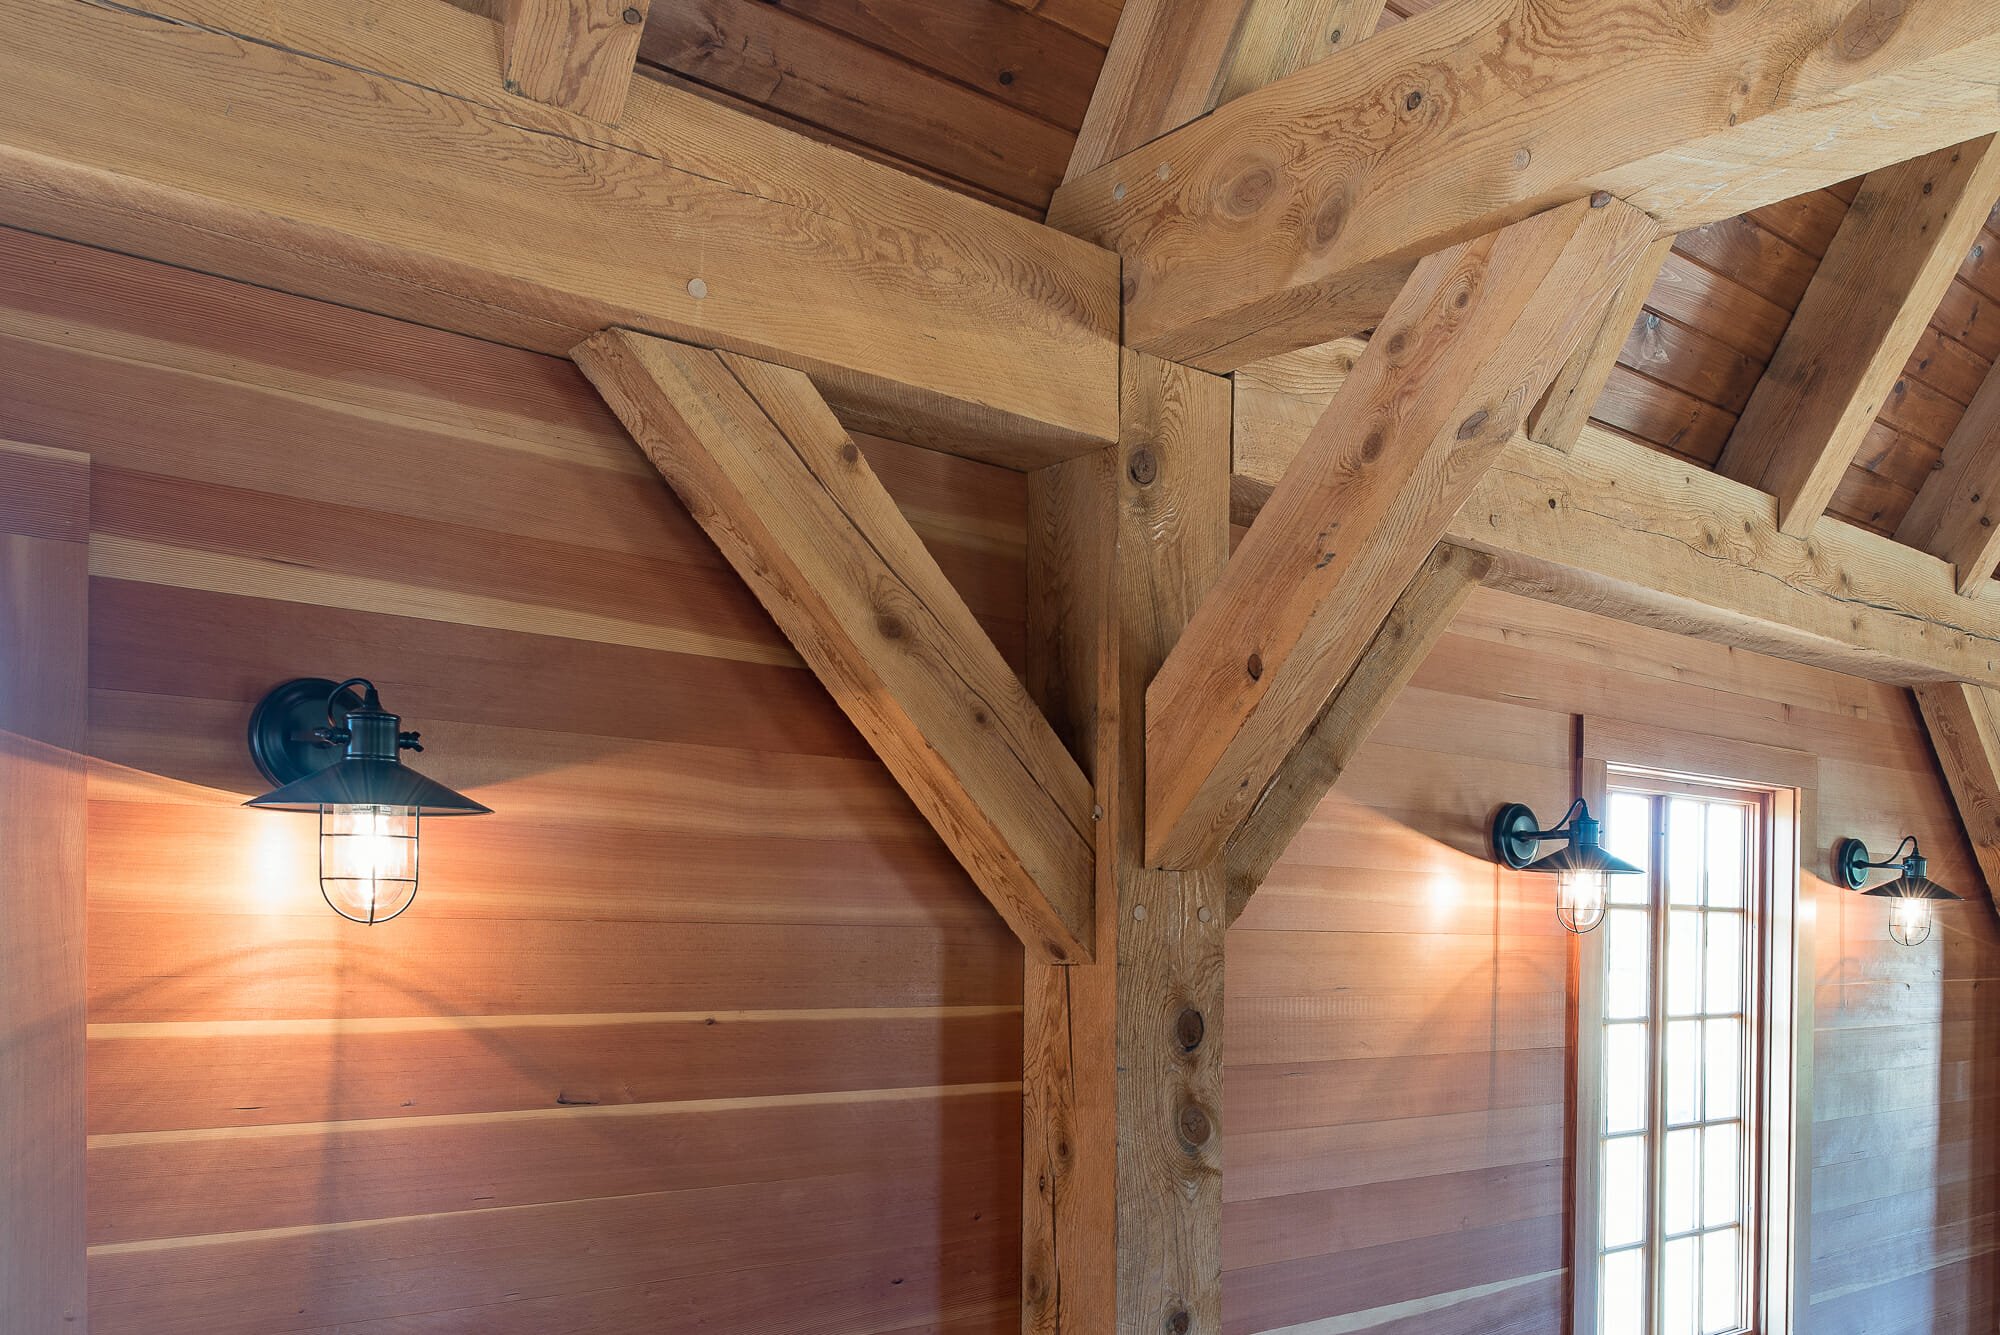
pixel 1582 868
pixel 1913 895
pixel 339 754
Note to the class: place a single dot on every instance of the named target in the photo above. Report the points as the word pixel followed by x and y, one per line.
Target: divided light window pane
pixel 1675 1161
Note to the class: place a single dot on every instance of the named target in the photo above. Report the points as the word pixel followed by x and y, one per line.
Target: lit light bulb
pixel 1909 920
pixel 368 860
pixel 1580 896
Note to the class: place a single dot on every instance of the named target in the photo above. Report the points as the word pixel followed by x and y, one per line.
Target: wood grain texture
pixel 1172 61
pixel 1439 588
pixel 1559 418
pixel 1397 1011
pixel 766 469
pixel 1069 1223
pixel 705 951
pixel 574 54
pixel 768 56
pixel 1171 514
pixel 1446 382
pixel 1124 1062
pixel 1291 215
pixel 1960 721
pixel 1625 531
pixel 436 198
pixel 44 620
pixel 1952 516
pixel 1885 272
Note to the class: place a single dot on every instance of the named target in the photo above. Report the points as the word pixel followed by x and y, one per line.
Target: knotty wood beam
pixel 767 471
pixel 1444 385
pixel 1124 1070
pixel 1629 532
pixel 366 154
pixel 1174 60
pixel 1559 418
pixel 574 54
pixel 1965 733
pixel 44 625
pixel 1441 586
pixel 1956 515
pixel 1291 215
pixel 1896 252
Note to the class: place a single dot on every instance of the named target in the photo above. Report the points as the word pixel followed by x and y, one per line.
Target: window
pixel 1684 1125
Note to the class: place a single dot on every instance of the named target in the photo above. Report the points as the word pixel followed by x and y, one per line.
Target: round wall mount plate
pixel 282 724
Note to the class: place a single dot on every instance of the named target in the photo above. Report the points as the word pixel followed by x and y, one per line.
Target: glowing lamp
pixel 1912 896
pixel 1581 867
pixel 339 754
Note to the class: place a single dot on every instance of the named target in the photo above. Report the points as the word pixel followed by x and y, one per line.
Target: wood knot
pixel 1142 467
pixel 1195 1126
pixel 1867 28
pixel 633 17
pixel 1470 427
pixel 1249 190
pixel 1327 222
pixel 1254 665
pixel 1179 1322
pixel 850 452
pixel 890 626
pixel 1600 199
pixel 1413 101
pixel 1189 1029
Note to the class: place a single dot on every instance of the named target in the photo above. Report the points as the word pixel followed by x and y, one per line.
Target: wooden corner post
pixel 1124 1071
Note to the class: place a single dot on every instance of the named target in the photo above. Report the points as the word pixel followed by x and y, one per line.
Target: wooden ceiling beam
pixel 1956 515
pixel 1467 349
pixel 1964 725
pixel 1174 60
pixel 1560 417
pixel 366 154
pixel 1398 649
pixel 1896 252
pixel 770 475
pixel 573 54
pixel 1291 215
pixel 1626 531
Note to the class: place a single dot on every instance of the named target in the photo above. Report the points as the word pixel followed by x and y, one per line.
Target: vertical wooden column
pixel 1124 1069
pixel 44 588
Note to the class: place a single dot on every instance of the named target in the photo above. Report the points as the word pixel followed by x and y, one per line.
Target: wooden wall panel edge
pixel 44 600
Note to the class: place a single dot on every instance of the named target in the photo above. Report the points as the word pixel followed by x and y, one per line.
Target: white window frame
pixel 1783 1106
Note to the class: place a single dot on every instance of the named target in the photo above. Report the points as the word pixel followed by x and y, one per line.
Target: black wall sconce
pixel 339 753
pixel 1582 868
pixel 1912 897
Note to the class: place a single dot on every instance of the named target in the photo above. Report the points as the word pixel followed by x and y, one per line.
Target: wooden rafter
pixel 574 54
pixel 1956 515
pixel 764 467
pixel 1444 385
pixel 1292 214
pixel 1965 733
pixel 434 196
pixel 1173 60
pixel 1628 532
pixel 1393 656
pixel 1888 267
pixel 1560 417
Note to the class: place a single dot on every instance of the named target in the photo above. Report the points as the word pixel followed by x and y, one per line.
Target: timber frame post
pixel 1124 1184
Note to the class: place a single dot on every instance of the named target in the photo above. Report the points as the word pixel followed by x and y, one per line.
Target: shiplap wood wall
pixel 1395 1140
pixel 703 1028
